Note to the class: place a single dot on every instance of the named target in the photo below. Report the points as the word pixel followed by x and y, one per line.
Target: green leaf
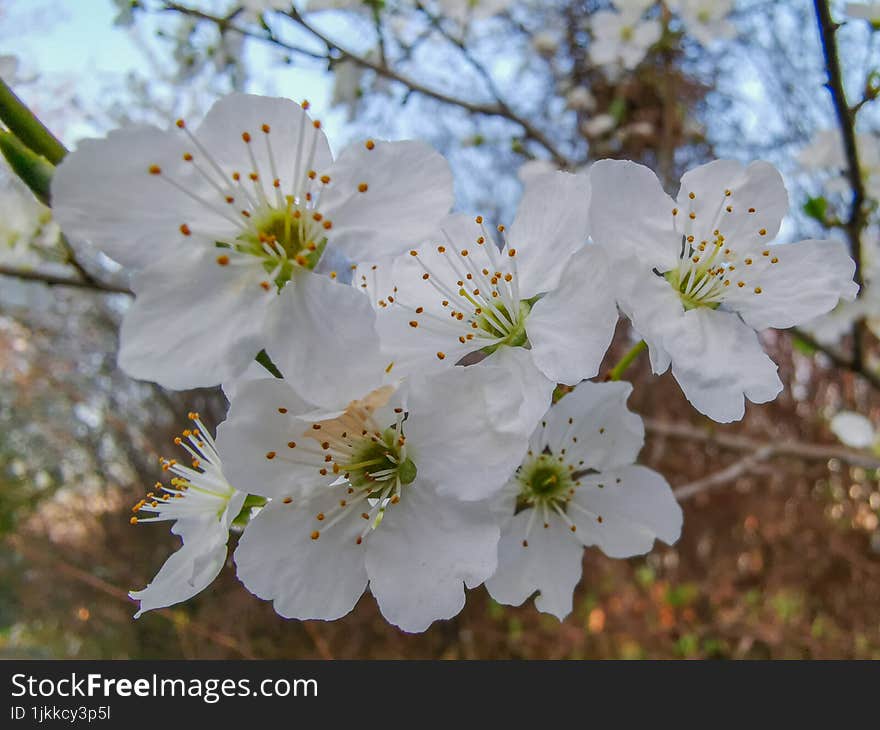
pixel 33 169
pixel 817 208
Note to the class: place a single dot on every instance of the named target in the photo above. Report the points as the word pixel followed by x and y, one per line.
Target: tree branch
pixel 735 442
pixel 53 280
pixel 722 477
pixel 846 122
pixel 841 361
pixel 498 109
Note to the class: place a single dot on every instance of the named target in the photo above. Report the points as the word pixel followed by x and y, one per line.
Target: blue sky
pixel 74 42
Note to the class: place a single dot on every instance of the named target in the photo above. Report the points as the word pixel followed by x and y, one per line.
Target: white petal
pixel 807 280
pixel 193 322
pixel 426 549
pixel 528 393
pixel 571 328
pixel 254 371
pixel 630 214
pixel 552 222
pixel 409 189
pixel 593 424
pixel 104 193
pixel 322 337
pixel 235 114
pixel 717 360
pixel 551 564
pixel 455 441
pixel 278 560
pixel 414 349
pixel 255 427
pixel 758 187
pixel 652 306
pixel 187 571
pixel 636 505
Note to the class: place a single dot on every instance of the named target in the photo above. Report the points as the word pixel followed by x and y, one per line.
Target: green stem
pixel 628 359
pixel 33 169
pixel 22 122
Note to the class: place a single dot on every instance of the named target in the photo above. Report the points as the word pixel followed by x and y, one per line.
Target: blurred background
pixel 780 552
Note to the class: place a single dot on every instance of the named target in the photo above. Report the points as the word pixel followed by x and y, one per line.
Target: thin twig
pixel 495 109
pixel 53 280
pixel 735 442
pixel 723 476
pixel 120 594
pixel 846 122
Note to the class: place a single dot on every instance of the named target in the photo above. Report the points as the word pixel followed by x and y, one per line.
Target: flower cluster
pixel 400 432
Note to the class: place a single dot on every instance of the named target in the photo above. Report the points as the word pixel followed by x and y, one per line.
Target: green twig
pixel 628 359
pixel 22 122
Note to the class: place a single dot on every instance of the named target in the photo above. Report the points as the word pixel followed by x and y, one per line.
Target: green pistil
pixel 299 241
pixel 683 284
pixel 511 336
pixel 380 457
pixel 544 479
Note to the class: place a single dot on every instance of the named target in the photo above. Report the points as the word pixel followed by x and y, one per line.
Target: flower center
pixel 471 293
pixel 702 273
pixel 545 481
pixel 284 238
pixel 194 490
pixel 377 462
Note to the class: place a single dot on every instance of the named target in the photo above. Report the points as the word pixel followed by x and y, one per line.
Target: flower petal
pixel 265 418
pixel 103 192
pixel 636 505
pixel 631 215
pixel 292 138
pixel 550 563
pixel 322 336
pixel 791 284
pixel 718 360
pixel 193 322
pixel 387 199
pixel 592 424
pixel 552 222
pixel 456 443
pixel 571 328
pixel 528 393
pixel 426 549
pixel 189 570
pixel 757 202
pixel 305 578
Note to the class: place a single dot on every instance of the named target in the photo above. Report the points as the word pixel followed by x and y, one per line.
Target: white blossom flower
pixel 462 11
pixel 622 38
pixel 202 504
pixel 853 429
pixel 578 487
pixel 705 20
pixel 697 277
pixel 580 99
pixel 216 222
pixel 540 307
pixel 825 154
pixel 869 11
pixel 370 495
pixel 598 126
